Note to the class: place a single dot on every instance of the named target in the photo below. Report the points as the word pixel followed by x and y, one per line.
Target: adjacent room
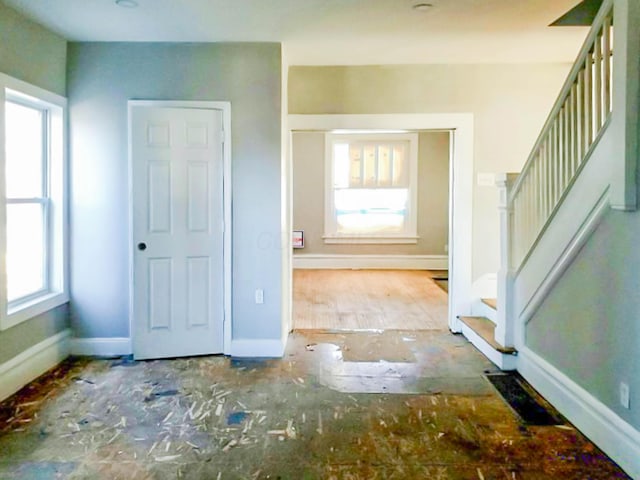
pixel 372 210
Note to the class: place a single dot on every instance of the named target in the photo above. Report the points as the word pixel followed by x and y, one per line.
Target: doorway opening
pixel 375 230
pixel 460 126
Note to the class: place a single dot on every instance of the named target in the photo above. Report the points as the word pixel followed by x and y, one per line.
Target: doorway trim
pixel 225 108
pixel 460 184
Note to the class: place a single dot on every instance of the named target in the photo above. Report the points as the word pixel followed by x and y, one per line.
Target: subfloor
pixel 368 300
pixel 392 405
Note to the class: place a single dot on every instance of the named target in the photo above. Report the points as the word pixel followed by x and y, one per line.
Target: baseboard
pixel 399 262
pixel 101 347
pixel 33 362
pixel 258 348
pixel 598 422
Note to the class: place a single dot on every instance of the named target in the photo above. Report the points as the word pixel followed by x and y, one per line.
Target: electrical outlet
pixel 446 248
pixel 624 395
pixel 259 296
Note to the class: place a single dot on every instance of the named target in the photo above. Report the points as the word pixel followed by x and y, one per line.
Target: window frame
pixel 54 202
pixel 409 234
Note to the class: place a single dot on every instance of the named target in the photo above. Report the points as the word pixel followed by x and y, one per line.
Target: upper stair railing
pixel 577 119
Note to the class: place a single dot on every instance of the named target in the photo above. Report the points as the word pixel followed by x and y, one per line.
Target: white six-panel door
pixel 177 221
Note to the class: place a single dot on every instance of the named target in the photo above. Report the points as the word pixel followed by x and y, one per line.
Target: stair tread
pixel 491 302
pixel 485 328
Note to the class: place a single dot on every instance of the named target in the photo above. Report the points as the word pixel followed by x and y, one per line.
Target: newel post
pixel 625 120
pixel 504 333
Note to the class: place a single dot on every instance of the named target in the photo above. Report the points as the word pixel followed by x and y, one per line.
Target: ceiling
pixel 332 32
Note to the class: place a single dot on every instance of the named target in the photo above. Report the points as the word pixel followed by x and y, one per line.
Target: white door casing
pixel 178 255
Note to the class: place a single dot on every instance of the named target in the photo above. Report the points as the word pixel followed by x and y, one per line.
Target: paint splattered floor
pixel 392 405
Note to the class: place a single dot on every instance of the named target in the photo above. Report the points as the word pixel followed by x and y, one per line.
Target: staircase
pixel 582 164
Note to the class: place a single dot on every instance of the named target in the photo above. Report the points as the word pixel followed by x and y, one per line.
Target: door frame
pixel 225 108
pixel 460 185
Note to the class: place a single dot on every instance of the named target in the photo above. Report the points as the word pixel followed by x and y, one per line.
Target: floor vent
pixel 518 395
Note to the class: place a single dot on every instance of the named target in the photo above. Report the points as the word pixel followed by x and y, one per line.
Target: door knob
pixel 142 246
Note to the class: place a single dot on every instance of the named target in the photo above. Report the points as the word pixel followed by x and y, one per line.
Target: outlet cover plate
pixel 624 395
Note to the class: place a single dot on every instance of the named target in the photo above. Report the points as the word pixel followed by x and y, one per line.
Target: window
pixel 371 188
pixel 33 202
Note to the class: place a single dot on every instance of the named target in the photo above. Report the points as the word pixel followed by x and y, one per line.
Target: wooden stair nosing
pixel 485 328
pixel 491 302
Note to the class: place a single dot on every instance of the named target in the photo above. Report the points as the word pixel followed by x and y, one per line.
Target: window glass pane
pixel 371 211
pixel 384 166
pixel 341 165
pixel 400 166
pixel 24 149
pixel 370 170
pixel 25 249
pixel 355 152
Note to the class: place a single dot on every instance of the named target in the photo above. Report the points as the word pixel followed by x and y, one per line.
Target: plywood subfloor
pixel 368 300
pixel 400 405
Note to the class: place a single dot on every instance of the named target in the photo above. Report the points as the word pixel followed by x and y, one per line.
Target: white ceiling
pixel 331 32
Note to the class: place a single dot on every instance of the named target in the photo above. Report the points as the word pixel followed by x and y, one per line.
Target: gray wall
pixel 101 78
pixel 433 197
pixel 31 53
pixel 35 55
pixel 509 102
pixel 588 326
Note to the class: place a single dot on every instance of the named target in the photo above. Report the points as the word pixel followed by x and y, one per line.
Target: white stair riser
pixel 481 309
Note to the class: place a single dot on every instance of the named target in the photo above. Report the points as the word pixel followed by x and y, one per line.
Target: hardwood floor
pixel 368 300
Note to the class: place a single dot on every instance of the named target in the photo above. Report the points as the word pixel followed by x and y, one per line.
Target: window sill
pixel 371 240
pixel 28 310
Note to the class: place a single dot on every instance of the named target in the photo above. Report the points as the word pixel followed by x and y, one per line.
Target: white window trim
pixel 409 236
pixel 58 292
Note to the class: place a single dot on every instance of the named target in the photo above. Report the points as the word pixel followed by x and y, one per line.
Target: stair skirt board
pixel 531 299
pixel 599 423
pixel 25 367
pixel 392 262
pixel 504 361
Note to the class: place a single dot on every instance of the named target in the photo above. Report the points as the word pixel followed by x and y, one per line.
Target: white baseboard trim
pixel 399 262
pixel 33 362
pixel 257 348
pixel 101 347
pixel 599 423
pixel 501 360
